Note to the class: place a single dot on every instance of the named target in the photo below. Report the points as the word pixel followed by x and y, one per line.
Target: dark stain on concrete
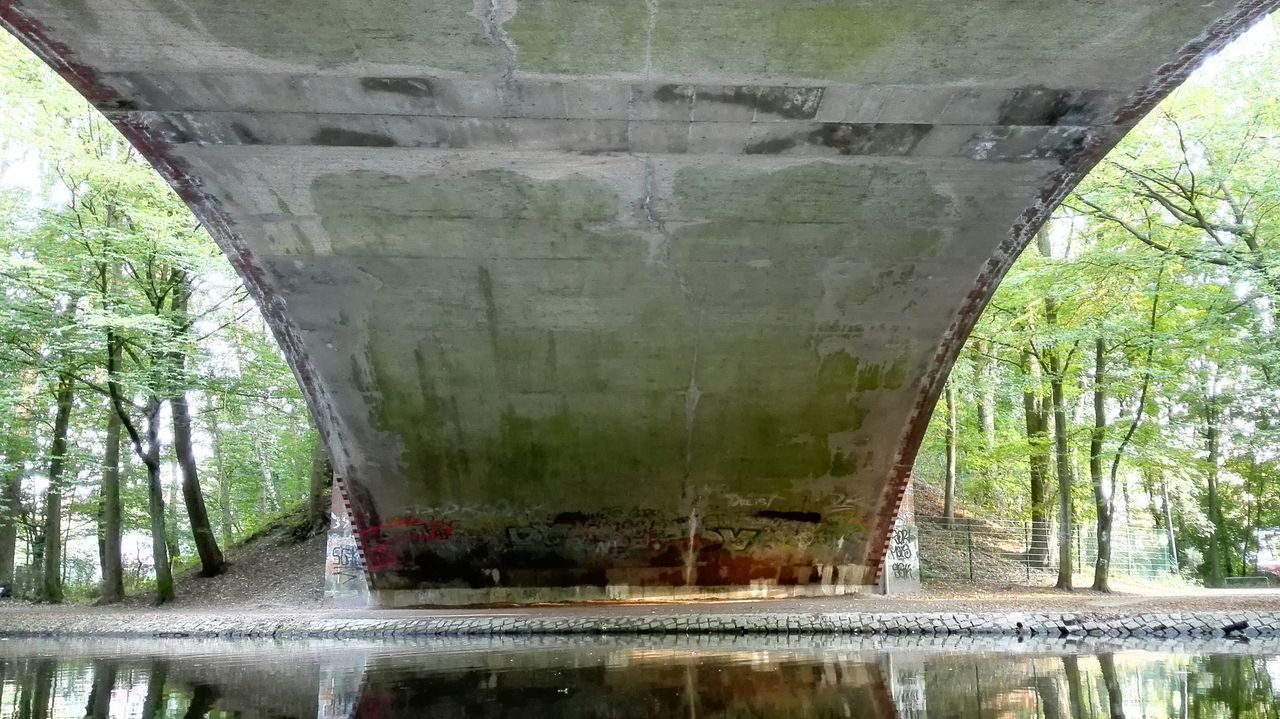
pixel 338 137
pixel 244 135
pixel 673 93
pixel 877 139
pixel 418 87
pixel 169 130
pixel 571 518
pixel 772 146
pixel 1045 106
pixel 793 103
pixel 849 139
pixel 118 104
pixel 809 517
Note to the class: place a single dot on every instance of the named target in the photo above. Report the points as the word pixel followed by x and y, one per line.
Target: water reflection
pixel 637 677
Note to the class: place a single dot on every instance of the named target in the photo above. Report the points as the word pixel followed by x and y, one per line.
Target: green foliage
pixel 93 244
pixel 1170 252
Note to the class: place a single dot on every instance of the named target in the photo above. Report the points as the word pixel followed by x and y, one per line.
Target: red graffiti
pixel 380 541
pixel 380 557
pixel 409 529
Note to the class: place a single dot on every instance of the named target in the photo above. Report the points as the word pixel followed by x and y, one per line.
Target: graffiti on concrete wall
pixel 382 542
pixel 900 573
pixel 903 559
pixel 344 575
pixel 345 580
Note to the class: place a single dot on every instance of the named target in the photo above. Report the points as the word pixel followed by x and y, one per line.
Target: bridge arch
pixel 623 299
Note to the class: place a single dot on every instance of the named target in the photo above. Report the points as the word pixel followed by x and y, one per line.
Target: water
pixel 629 677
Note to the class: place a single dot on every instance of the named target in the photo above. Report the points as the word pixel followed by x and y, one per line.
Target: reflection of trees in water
pixel 1118 685
pixel 45 688
pixel 622 683
pixel 155 690
pixel 1111 684
pixel 1236 686
pixel 104 681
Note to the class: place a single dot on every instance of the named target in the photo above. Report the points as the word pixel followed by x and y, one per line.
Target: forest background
pixel 147 417
pixel 1127 371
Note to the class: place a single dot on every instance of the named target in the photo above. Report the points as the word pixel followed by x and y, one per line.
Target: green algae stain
pixel 579 36
pixel 582 412
pixel 487 213
pixel 819 192
pixel 825 210
pixel 810 38
pixel 841 40
pixel 405 402
pixel 440 34
pixel 895 374
pixel 831 39
pixel 843 465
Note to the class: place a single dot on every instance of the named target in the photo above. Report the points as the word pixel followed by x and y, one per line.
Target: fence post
pixel 969 534
pixel 1026 546
pixel 1079 547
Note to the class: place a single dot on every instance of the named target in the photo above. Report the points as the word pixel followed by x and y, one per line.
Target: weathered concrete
pixel 626 297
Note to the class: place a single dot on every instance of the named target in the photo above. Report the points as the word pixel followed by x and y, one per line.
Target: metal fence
pixel 1024 552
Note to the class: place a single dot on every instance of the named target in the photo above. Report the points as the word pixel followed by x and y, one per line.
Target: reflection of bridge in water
pixel 638 677
pixel 621 298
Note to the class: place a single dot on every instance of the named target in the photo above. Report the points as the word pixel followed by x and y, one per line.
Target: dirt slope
pixel 272 570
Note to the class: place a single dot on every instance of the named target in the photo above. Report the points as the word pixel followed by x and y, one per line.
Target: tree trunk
pixel 1215 510
pixel 171 519
pixel 155 505
pixel 985 368
pixel 321 482
pixel 949 492
pixel 224 486
pixel 268 505
pixel 153 703
pixel 1075 687
pixel 203 699
pixel 104 683
pixel 1168 521
pixel 1037 459
pixel 1259 491
pixel 51 584
pixel 1102 493
pixel 211 561
pixel 1050 698
pixel 10 513
pixel 1062 453
pixel 1110 680
pixel 112 565
pixel 148 451
pixel 42 691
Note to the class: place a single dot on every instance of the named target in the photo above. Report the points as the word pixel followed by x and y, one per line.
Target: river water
pixel 684 677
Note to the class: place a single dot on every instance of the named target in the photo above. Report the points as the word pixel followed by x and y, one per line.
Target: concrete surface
pixel 625 297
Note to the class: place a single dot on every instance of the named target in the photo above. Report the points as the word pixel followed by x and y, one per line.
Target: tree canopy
pixel 1145 315
pixel 122 325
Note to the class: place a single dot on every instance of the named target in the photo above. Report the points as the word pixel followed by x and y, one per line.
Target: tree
pixel 111 293
pixel 51 587
pixel 1163 263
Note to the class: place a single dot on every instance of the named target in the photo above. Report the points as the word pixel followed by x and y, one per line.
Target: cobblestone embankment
pixel 248 625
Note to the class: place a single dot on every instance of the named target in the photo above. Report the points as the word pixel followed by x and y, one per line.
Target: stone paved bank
pixel 1245 624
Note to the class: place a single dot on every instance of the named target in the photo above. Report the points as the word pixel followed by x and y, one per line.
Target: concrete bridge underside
pixel 623 298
